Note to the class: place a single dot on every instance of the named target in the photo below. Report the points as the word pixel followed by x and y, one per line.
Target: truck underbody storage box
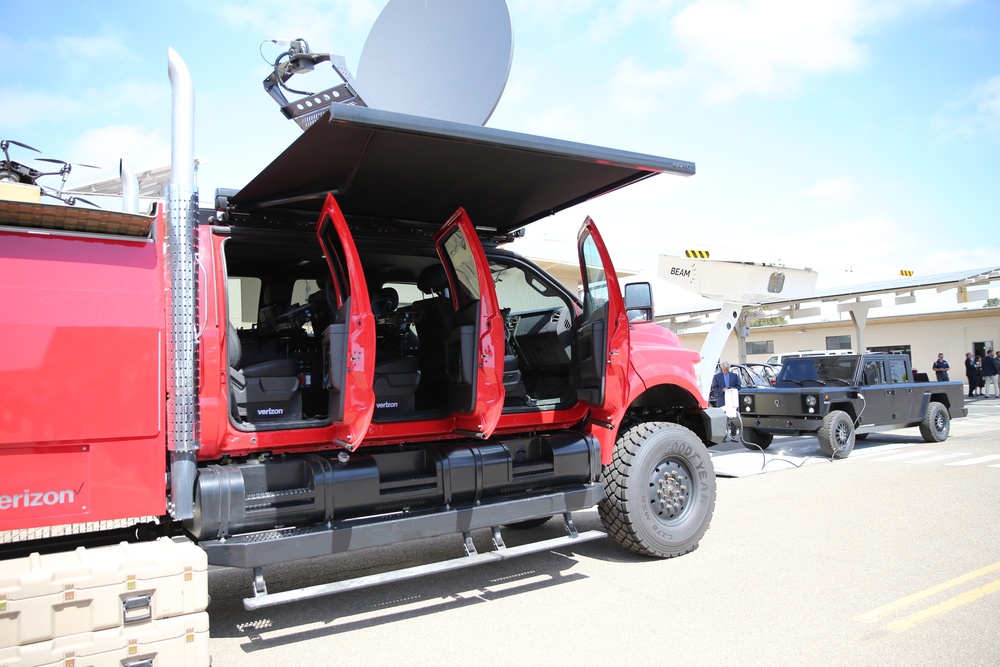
pixel 50 598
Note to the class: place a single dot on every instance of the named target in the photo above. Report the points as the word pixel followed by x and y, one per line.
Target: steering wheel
pixel 294 318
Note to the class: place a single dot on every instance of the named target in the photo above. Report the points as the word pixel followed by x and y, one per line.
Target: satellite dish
pixel 445 59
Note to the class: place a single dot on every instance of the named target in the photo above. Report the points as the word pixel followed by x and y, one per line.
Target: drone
pixel 15 172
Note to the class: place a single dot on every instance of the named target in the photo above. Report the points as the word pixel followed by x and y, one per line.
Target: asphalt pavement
pixel 888 557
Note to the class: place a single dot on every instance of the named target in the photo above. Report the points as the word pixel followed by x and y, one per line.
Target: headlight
pixel 811 401
pixel 747 400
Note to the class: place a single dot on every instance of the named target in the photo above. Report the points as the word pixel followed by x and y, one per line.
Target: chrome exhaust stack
pixel 130 187
pixel 183 427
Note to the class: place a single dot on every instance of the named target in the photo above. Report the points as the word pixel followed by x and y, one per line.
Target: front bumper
pixel 782 425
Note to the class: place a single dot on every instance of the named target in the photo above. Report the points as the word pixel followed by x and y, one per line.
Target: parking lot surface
pixel 889 557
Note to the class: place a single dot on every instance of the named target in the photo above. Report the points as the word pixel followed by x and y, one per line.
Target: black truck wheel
pixel 836 435
pixel 659 490
pixel 936 424
pixel 754 439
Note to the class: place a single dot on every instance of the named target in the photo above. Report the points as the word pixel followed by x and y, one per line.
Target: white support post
pixel 711 349
pixel 859 316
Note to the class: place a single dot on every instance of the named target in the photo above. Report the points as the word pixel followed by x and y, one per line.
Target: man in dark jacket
pixel 971 372
pixel 991 368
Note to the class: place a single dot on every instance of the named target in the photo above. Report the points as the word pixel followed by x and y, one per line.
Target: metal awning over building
pixel 970 286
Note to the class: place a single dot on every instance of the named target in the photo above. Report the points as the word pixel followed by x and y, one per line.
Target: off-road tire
pixel 659 490
pixel 936 424
pixel 836 435
pixel 756 440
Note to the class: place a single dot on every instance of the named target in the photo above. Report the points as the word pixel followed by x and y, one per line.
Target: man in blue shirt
pixel 941 368
pixel 721 381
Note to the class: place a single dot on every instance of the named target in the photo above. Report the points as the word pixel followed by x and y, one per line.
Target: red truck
pixel 341 355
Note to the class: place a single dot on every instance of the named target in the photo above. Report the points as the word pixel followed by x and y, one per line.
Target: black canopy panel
pixel 407 168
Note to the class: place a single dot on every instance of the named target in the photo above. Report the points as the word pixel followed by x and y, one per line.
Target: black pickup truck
pixel 843 398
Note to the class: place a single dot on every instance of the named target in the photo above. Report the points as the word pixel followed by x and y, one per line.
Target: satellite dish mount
pixel 443 59
pixel 298 59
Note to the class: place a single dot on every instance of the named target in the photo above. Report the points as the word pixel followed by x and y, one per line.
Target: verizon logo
pixel 265 412
pixel 387 404
pixel 37 499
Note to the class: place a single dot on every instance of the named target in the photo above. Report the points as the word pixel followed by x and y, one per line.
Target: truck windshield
pixel 839 370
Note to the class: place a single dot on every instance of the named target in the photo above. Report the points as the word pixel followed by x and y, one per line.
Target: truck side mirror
pixel 639 302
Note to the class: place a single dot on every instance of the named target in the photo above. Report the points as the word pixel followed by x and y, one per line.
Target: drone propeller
pixel 65 164
pixel 70 201
pixel 15 172
pixel 5 144
pixel 64 170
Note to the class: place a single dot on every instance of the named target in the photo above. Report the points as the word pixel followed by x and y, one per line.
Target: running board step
pixel 500 552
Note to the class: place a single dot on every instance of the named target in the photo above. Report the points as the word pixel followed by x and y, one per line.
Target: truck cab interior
pixel 279 305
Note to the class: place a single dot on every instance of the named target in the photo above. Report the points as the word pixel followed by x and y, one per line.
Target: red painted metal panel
pixel 659 359
pixel 358 393
pixel 490 329
pixel 616 381
pixel 81 376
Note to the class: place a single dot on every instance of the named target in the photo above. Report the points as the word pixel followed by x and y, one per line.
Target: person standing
pixel 991 368
pixel 980 383
pixel 941 368
pixel 971 373
pixel 721 381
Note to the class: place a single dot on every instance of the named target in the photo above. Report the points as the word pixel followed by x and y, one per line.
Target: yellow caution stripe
pixel 905 272
pixel 697 254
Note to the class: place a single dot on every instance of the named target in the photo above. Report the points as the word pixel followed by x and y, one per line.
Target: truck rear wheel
pixel 754 439
pixel 836 435
pixel 659 490
pixel 936 424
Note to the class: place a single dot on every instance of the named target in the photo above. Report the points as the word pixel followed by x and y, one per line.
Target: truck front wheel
pixel 936 424
pixel 836 435
pixel 754 439
pixel 659 490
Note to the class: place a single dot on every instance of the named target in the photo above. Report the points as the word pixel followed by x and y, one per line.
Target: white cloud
pixel 325 25
pixel 105 146
pixel 641 87
pixel 764 47
pixel 550 10
pixel 623 15
pixel 25 110
pixel 834 190
pixel 975 114
pixel 735 48
pixel 91 48
pixel 564 121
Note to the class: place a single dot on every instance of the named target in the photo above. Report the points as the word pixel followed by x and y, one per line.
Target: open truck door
pixel 602 337
pixel 475 345
pixel 349 339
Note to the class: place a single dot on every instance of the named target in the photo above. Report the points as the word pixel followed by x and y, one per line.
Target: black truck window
pixel 897 371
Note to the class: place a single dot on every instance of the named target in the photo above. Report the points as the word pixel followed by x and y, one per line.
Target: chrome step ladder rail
pixel 500 551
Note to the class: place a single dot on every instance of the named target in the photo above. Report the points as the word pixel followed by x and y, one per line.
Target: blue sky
pixel 854 137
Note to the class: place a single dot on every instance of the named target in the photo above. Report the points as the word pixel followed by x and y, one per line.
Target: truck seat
pixel 263 391
pixel 396 376
pixel 433 317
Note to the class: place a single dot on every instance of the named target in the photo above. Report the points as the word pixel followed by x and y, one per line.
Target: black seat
pixel 275 299
pixel 268 390
pixel 433 318
pixel 396 376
